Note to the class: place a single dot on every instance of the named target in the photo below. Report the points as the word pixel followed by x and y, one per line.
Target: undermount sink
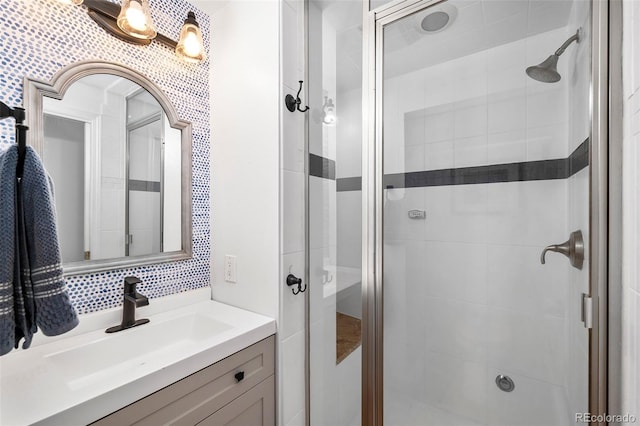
pixel 117 354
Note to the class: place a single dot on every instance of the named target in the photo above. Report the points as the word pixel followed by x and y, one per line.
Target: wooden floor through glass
pixel 348 335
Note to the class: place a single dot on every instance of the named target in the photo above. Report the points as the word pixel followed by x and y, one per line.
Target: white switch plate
pixel 230 269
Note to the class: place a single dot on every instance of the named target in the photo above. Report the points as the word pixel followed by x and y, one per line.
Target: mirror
pixel 120 161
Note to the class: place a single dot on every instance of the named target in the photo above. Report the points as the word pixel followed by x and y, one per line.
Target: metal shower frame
pixel 605 206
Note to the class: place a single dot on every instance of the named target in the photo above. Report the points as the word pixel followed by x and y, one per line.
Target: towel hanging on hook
pixel 21 133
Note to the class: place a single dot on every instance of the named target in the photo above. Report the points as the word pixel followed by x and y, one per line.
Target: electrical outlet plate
pixel 230 269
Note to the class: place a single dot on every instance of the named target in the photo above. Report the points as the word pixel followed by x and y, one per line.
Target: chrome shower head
pixel 547 71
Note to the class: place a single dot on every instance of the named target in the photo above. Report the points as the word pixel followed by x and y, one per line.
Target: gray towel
pixel 36 296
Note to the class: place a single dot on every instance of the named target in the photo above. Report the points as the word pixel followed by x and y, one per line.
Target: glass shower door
pixel 145 171
pixel 483 167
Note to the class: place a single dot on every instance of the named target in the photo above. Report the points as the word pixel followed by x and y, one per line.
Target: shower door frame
pixel 604 213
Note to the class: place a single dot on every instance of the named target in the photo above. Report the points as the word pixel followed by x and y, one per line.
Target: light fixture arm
pixel 105 14
pixel 575 37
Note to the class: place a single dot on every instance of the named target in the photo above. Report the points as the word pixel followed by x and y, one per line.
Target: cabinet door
pixel 256 407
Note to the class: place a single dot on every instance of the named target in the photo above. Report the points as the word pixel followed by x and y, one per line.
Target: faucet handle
pixel 130 284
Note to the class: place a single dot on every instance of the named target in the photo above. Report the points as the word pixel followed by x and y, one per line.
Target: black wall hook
pixel 21 133
pixel 293 280
pixel 294 103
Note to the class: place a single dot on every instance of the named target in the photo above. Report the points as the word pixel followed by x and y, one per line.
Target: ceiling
pixel 480 25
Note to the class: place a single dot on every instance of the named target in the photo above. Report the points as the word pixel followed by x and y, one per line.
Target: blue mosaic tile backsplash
pixel 38 38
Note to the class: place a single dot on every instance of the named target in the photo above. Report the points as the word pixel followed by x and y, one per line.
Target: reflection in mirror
pixel 118 168
pixel 105 145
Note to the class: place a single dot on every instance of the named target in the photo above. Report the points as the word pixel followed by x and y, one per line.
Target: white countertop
pixel 52 384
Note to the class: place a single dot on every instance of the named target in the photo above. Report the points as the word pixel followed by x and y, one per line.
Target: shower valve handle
pixel 573 248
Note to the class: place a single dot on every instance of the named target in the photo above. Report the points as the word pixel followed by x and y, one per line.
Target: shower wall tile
pixel 398 202
pixel 507 111
pixel 291 306
pixel 529 213
pixel 292 211
pixel 547 142
pixel 456 213
pixel 349 228
pixel 470 151
pixel 457 385
pixel 526 344
pixel 293 376
pixel 443 277
pixel 414 158
pixel 439 125
pixel 439 155
pixel 547 108
pixel 349 133
pixel 517 281
pixel 471 119
pixel 292 140
pixel 465 335
pixel 291 72
pixel 532 403
pixel 508 147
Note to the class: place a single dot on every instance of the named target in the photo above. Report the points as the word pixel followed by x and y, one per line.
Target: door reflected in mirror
pixel 115 162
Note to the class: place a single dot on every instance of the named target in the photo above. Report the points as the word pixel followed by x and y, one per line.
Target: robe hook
pixel 294 103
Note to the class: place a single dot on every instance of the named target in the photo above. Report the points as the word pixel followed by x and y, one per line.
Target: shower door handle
pixel 573 248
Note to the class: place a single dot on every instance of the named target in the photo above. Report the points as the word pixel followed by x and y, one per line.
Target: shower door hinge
pixel 587 310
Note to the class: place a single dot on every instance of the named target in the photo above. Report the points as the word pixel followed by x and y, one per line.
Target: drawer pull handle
pixel 239 376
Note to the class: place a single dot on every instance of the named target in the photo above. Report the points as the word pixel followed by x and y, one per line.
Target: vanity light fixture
pixel 132 22
pixel 135 19
pixel 190 46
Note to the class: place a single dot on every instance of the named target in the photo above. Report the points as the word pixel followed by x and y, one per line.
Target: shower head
pixel 547 71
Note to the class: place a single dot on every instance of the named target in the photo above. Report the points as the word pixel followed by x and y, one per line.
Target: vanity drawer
pixel 197 396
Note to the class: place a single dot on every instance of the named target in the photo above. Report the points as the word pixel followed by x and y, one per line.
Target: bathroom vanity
pixel 196 362
pixel 239 390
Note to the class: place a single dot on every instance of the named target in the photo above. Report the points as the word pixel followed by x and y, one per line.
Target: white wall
pixel 257 174
pixel 244 87
pixel 631 209
pixel 63 156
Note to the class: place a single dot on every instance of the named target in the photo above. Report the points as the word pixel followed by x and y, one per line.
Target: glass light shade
pixel 70 1
pixel 329 113
pixel 190 46
pixel 135 19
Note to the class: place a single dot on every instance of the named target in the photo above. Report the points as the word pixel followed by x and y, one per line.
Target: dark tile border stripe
pixel 349 184
pixel 322 167
pixel 562 168
pixel 144 185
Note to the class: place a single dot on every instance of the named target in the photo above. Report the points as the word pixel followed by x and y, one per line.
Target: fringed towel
pixel 32 289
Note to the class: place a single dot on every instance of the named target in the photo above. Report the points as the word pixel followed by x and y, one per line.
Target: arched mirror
pixel 120 160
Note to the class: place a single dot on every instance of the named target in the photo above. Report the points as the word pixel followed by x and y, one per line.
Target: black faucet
pixel 132 300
